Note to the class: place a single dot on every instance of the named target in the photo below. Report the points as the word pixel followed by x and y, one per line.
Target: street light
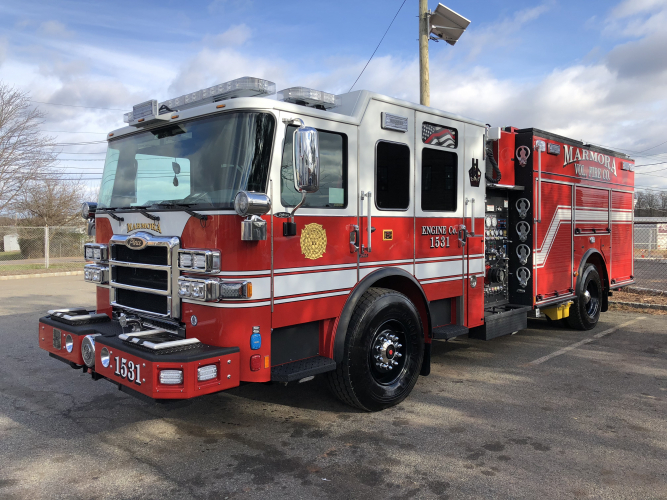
pixel 443 24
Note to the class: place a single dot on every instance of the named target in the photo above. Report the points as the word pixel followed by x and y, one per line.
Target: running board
pixel 449 332
pixel 297 370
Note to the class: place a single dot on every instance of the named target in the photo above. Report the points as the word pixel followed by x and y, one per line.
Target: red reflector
pixel 255 362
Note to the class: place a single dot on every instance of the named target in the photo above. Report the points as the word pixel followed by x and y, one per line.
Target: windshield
pixel 201 163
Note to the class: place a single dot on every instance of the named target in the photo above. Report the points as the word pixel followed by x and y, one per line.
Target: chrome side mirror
pixel 306 160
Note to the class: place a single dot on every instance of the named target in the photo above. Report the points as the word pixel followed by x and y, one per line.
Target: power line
pixel 74 105
pixel 378 46
pixel 78 143
pixel 83 153
pixel 71 132
pixel 650 164
pixel 654 147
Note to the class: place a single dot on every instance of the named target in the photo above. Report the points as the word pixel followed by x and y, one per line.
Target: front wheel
pixel 383 353
pixel 585 312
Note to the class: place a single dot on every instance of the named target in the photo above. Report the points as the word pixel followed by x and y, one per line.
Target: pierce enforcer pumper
pixel 241 238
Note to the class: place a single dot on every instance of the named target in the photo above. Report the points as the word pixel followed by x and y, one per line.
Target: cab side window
pixel 439 180
pixel 333 172
pixel 392 176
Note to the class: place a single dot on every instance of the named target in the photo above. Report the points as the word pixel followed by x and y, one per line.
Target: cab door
pixel 441 239
pixel 314 270
pixel 386 188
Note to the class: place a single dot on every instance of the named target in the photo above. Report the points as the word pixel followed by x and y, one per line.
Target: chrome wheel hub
pixel 587 297
pixel 386 351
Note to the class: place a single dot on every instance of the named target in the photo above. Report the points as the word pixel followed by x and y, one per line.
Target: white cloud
pixel 633 7
pixel 503 32
pixel 3 50
pixel 234 36
pixel 55 29
pixel 615 99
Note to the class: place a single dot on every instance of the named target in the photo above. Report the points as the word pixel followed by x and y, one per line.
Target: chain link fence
pixel 32 250
pixel 650 242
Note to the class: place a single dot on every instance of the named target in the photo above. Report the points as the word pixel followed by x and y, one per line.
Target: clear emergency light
pixel 247 86
pixel 309 97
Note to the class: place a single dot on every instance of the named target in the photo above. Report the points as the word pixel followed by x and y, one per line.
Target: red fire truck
pixel 244 236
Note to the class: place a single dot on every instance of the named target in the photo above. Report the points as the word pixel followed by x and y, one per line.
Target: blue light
pixel 255 341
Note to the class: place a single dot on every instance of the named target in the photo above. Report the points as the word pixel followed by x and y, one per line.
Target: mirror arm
pixel 287 121
pixel 303 199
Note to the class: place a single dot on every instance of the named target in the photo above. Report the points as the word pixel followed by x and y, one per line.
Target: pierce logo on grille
pixel 135 243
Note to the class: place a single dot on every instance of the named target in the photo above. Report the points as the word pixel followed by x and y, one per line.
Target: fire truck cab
pixel 247 237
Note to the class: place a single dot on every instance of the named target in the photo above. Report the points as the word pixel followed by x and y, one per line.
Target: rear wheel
pixel 383 353
pixel 585 312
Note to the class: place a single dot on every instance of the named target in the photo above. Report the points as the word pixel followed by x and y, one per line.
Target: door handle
pixel 354 238
pixel 367 248
pixel 463 235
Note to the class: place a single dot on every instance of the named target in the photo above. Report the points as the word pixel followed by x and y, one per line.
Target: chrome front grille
pixel 143 276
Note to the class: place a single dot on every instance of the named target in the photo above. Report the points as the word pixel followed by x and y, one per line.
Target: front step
pixel 296 370
pixel 449 332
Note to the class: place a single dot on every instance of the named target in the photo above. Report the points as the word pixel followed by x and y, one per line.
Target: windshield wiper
pixel 184 205
pixel 142 210
pixel 109 212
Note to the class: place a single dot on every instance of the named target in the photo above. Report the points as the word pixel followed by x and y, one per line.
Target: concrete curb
pixel 644 291
pixel 40 275
pixel 640 305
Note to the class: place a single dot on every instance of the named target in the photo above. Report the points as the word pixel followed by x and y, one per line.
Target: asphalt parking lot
pixel 546 413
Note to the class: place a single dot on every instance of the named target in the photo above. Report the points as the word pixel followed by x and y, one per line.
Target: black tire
pixel 585 312
pixel 386 324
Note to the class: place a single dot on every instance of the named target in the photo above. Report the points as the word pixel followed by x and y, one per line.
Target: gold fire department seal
pixel 313 241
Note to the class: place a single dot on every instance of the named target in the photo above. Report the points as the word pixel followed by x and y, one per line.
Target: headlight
pixel 198 289
pixel 208 289
pixel 96 251
pixel 171 377
pixel 96 273
pixel 185 260
pixel 201 261
pixel 184 289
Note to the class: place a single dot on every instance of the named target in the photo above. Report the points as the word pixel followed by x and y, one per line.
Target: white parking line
pixel 582 342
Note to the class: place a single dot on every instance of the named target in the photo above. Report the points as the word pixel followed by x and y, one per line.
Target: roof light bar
pixel 309 97
pixel 247 86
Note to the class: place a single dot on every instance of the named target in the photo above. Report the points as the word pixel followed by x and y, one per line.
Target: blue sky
pixel 592 70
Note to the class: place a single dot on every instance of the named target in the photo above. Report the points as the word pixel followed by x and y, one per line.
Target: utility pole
pixel 424 29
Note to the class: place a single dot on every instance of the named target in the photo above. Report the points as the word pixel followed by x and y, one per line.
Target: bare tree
pixel 54 202
pixel 25 154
